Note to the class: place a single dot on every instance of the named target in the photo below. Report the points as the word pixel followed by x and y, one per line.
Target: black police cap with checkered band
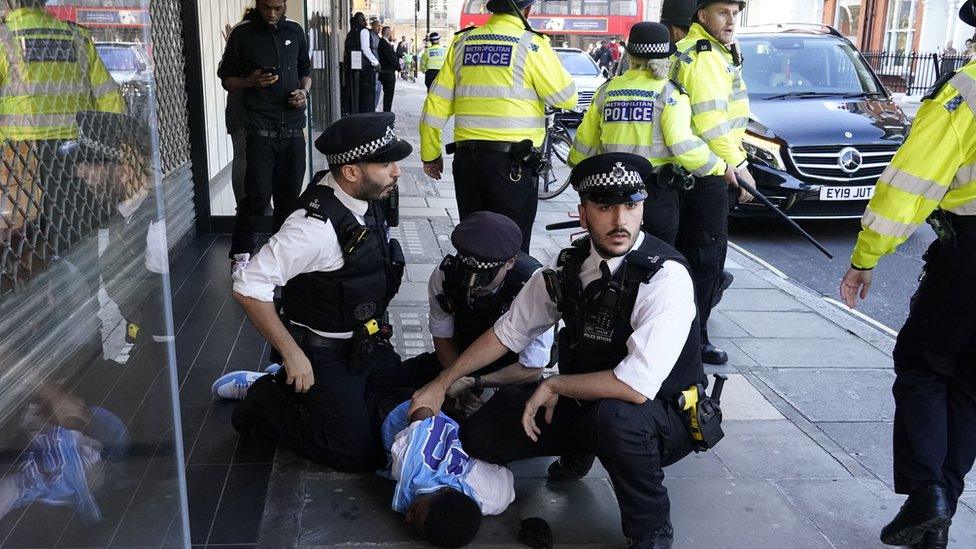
pixel 365 137
pixel 486 240
pixel 649 40
pixel 612 178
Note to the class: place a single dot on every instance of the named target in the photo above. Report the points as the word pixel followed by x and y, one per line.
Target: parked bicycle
pixel 555 153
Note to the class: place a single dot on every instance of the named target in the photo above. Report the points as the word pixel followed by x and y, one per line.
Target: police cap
pixel 967 12
pixel 364 137
pixel 486 240
pixel 612 178
pixel 678 12
pixel 702 4
pixel 434 37
pixel 502 6
pixel 650 40
pixel 106 137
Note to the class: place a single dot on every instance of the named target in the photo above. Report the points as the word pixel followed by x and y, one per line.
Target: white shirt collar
pixel 592 262
pixel 355 205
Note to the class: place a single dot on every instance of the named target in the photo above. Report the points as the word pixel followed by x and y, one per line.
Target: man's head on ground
pixel 505 6
pixel 612 192
pixel 362 151
pixel 650 48
pixel 718 17
pixel 445 518
pixel 272 11
pixel 486 244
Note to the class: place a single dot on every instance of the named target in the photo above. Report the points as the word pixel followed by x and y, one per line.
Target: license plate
pixel 847 193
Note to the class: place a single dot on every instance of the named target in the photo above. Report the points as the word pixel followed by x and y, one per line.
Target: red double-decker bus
pixel 573 23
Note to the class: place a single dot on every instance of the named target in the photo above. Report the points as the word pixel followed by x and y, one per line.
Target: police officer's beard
pixel 370 189
pixel 606 253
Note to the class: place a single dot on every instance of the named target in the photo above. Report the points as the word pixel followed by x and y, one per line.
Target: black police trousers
pixel 275 168
pixel 429 76
pixel 703 237
pixel 935 374
pixel 633 442
pixel 337 422
pixel 483 181
pixel 661 211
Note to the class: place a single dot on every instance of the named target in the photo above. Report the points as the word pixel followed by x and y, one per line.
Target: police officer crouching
pixel 630 346
pixel 339 270
pixel 467 294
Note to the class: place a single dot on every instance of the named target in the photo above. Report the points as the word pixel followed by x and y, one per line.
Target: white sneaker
pixel 272 368
pixel 234 385
pixel 239 263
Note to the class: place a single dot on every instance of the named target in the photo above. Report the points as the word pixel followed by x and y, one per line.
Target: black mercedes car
pixel 823 126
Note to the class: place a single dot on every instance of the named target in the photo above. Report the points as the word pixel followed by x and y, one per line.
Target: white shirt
pixel 661 319
pixel 302 245
pixel 366 49
pixel 441 323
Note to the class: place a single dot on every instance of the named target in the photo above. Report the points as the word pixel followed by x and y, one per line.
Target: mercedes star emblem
pixel 849 160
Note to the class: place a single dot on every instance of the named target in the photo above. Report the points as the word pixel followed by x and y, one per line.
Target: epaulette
pixel 939 84
pixel 466 29
pixel 681 89
pixel 703 45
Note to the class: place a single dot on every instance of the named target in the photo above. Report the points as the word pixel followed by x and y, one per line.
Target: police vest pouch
pixel 398 263
pixel 703 414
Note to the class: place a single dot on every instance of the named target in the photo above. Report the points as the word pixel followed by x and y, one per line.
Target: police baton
pixel 563 225
pixel 779 213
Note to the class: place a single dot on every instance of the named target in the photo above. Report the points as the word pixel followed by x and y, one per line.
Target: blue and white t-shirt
pixel 427 456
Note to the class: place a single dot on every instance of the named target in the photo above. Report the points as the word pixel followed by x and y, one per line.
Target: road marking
pixel 758 260
pixel 877 324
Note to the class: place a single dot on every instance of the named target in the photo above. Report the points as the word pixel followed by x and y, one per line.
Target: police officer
pixel 50 72
pixel 642 112
pixel 499 81
pixel 935 357
pixel 339 270
pixel 676 16
pixel 707 65
pixel 433 59
pixel 630 345
pixel 468 293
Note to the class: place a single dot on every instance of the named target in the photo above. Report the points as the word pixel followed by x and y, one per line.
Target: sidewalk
pixel 808 410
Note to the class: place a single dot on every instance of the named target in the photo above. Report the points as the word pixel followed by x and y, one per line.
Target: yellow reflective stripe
pixel 718 131
pixel 964 176
pixel 500 122
pixel 739 122
pixel 710 105
pixel 33 89
pixel 913 184
pixel 969 208
pixel 518 64
pixel 36 120
pixel 642 150
pixel 739 94
pixel 442 91
pixel 966 87
pixel 708 167
pixel 433 120
pixel 104 89
pixel 685 146
pixel 887 227
pixel 500 92
pixel 562 95
pixel 585 149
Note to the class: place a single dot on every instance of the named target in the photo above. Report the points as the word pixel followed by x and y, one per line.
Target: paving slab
pixel 774 449
pixel 721 326
pixel 422 212
pixel 412 293
pixel 814 353
pixel 785 324
pixel 420 272
pixel 834 395
pixel 758 299
pixel 737 357
pixel 741 401
pixel 744 278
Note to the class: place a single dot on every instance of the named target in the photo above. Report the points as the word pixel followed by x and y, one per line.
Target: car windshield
pixel 785 66
pixel 578 63
pixel 119 59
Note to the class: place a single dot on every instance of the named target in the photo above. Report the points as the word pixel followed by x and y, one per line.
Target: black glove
pixel 535 532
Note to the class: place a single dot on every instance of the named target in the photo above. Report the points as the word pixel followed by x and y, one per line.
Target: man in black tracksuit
pixel 267 59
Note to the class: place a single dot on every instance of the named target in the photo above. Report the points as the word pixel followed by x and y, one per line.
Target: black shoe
pixel 936 539
pixel 662 539
pixel 724 281
pixel 571 467
pixel 711 354
pixel 926 510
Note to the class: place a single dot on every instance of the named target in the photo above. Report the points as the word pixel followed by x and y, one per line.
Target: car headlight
pixel 764 151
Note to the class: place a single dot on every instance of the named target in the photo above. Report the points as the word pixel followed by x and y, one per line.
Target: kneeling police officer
pixel 467 295
pixel 340 270
pixel 630 346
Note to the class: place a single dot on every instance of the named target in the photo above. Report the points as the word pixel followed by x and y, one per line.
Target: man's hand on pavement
pixel 299 371
pixel 434 168
pixel 855 283
pixel 543 397
pixel 258 79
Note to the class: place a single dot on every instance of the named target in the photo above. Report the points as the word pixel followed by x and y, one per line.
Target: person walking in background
pixel 433 59
pixel 375 31
pixel 389 65
pixel 357 48
pixel 401 50
pixel 267 60
pixel 234 114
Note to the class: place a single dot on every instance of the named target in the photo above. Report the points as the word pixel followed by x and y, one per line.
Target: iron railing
pixel 912 73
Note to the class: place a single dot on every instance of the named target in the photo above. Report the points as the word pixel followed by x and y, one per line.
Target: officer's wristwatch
pixel 477 382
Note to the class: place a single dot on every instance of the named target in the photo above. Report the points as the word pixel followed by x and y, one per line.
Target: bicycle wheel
pixel 555 178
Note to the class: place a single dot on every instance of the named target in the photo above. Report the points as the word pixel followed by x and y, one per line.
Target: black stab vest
pixel 598 317
pixel 470 322
pixel 342 300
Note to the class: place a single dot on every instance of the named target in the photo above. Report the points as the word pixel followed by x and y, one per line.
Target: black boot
pixel 661 539
pixel 936 539
pixel 571 467
pixel 926 510
pixel 724 281
pixel 711 354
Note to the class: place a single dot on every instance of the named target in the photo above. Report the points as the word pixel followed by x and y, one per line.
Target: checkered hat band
pixel 609 180
pixel 362 151
pixel 478 264
pixel 662 47
pixel 100 148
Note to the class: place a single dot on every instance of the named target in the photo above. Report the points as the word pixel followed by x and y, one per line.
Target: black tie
pixel 594 288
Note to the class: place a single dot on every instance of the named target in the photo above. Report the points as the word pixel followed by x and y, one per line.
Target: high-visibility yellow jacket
pixel 433 58
pixel 496 81
pixel 934 168
pixel 719 102
pixel 640 114
pixel 49 71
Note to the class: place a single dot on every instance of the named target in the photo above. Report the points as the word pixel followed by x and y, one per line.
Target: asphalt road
pixel 895 278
